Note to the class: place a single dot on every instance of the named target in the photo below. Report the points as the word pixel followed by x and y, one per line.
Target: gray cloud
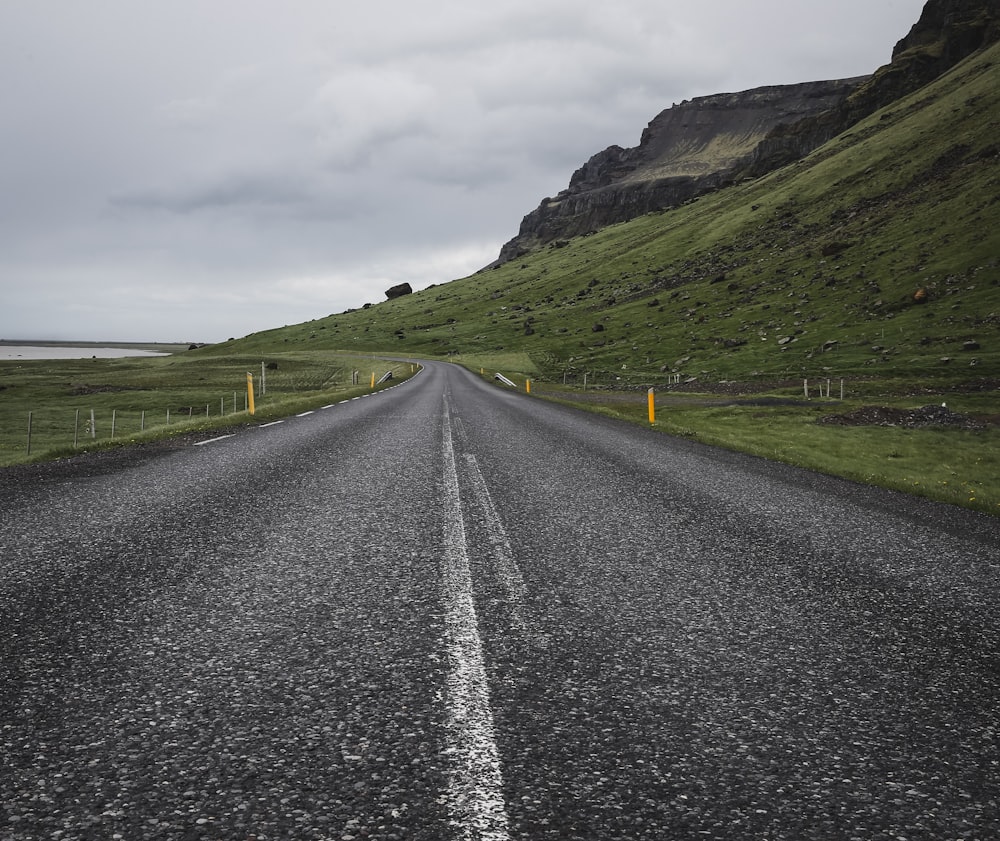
pixel 201 170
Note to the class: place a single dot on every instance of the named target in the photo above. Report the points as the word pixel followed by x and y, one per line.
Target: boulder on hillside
pixel 398 291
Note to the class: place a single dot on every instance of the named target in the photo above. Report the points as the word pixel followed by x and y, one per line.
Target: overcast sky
pixel 173 170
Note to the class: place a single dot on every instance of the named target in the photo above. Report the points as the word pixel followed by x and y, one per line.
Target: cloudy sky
pixel 191 170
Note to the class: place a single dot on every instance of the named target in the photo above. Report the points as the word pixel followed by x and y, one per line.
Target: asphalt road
pixel 447 611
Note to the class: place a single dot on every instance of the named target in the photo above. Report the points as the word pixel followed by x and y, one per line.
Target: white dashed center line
pixel 475 783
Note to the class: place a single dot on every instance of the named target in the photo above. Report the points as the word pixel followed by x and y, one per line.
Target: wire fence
pixel 64 428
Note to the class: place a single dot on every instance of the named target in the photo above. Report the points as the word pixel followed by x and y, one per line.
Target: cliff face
pixel 689 149
pixel 710 142
pixel 947 32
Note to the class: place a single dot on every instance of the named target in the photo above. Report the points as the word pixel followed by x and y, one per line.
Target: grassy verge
pixel 82 404
pixel 951 465
pixel 204 391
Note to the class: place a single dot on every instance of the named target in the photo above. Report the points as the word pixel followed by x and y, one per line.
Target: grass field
pixel 81 404
pixel 952 465
pixel 131 399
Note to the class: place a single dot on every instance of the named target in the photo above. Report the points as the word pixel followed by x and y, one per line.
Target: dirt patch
pixel 925 416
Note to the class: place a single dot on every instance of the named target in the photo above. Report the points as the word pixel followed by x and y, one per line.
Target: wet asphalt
pixel 448 611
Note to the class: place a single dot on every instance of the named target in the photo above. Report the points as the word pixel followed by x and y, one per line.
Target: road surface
pixel 450 611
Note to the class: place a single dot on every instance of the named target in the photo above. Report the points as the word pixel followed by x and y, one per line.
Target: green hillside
pixel 878 256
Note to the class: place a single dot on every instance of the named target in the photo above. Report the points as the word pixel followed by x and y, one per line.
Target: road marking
pixel 272 423
pixel 475 784
pixel 211 440
pixel 507 569
pixel 303 414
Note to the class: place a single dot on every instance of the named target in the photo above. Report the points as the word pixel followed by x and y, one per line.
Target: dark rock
pixel 398 291
pixel 909 418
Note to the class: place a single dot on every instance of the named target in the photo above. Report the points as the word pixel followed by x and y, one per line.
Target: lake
pixel 9 351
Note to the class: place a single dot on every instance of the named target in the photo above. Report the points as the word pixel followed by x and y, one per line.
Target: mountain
pixel 686 151
pixel 874 257
pixel 712 142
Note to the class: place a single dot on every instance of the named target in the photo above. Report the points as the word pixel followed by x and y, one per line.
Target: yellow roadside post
pixel 527 386
pixel 652 408
pixel 373 379
pixel 250 405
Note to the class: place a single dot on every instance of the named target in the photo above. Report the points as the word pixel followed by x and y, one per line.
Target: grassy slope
pixel 133 396
pixel 809 272
pixel 753 281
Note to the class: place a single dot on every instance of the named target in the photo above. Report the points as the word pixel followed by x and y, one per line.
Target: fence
pixel 57 429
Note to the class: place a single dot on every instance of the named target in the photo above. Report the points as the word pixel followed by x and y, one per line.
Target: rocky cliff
pixel 710 142
pixel 947 32
pixel 689 149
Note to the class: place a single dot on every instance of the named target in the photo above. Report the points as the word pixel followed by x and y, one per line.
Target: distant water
pixel 67 352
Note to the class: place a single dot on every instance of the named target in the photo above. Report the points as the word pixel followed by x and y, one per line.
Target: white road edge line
pixel 211 440
pixel 475 783
pixel 272 423
pixel 303 414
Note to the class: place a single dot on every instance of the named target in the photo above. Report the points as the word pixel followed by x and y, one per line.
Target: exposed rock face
pixel 947 32
pixel 687 150
pixel 711 142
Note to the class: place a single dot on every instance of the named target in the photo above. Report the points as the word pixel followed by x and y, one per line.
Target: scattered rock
pixel 909 418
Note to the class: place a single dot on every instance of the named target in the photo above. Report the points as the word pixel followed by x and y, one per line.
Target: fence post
pixel 76 430
pixel 29 434
pixel 142 421
pixel 93 426
pixel 114 420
